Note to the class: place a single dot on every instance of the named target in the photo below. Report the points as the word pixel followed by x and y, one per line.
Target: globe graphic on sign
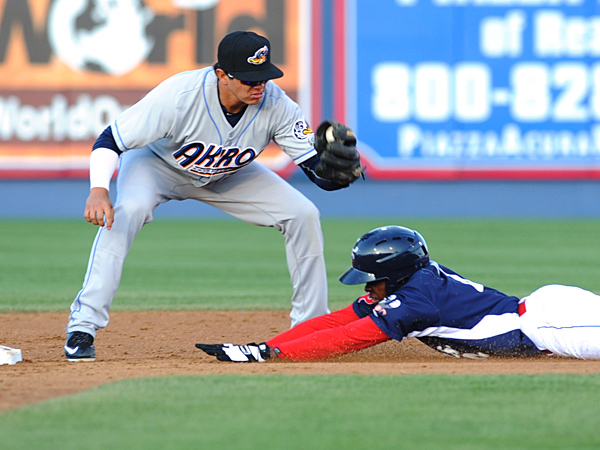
pixel 106 36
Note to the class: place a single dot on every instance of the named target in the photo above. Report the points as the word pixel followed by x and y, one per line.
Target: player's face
pixel 236 93
pixel 249 95
pixel 376 289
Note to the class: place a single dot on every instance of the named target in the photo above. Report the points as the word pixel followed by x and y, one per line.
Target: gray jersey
pixel 186 144
pixel 181 121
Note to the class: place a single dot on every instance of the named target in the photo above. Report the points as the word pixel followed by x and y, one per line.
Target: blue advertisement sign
pixel 477 87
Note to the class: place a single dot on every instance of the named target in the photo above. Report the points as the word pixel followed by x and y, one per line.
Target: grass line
pixel 318 412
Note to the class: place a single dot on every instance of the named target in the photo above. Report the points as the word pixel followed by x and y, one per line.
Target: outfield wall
pixel 45 199
pixel 483 108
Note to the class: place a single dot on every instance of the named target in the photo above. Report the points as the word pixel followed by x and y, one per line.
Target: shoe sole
pixel 81 359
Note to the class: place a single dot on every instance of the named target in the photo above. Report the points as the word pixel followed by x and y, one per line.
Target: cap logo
pixel 260 56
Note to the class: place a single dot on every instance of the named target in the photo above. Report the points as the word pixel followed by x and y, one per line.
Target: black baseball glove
pixel 336 145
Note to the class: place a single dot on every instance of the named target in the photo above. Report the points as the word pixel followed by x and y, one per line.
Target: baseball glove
pixel 336 145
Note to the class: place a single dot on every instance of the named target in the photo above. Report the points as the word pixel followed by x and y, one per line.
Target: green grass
pixel 233 265
pixel 317 412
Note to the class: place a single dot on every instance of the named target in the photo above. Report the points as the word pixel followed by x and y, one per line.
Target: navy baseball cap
pixel 246 56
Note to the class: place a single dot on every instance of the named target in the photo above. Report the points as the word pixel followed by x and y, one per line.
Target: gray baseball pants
pixel 254 194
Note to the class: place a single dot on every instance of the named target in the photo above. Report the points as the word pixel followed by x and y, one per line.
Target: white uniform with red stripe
pixel 564 320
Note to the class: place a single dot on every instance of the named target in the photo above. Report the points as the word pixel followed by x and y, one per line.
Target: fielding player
pixel 196 136
pixel 410 296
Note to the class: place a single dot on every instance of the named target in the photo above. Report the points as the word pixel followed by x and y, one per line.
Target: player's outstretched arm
pixel 332 320
pixel 352 337
pixel 326 343
pixel 99 209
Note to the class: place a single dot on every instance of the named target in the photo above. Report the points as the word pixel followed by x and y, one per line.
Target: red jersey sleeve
pixel 325 343
pixel 332 320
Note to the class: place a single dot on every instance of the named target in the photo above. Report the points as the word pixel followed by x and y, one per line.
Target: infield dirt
pixel 150 344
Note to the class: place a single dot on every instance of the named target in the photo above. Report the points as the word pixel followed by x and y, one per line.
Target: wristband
pixel 103 163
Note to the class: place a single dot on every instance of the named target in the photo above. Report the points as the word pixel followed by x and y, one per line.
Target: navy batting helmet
pixel 389 253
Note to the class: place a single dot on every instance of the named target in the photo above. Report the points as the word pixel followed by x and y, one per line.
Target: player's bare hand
pixel 99 209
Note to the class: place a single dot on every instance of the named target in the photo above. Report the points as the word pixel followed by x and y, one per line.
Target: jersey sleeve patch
pixel 301 130
pixel 363 306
